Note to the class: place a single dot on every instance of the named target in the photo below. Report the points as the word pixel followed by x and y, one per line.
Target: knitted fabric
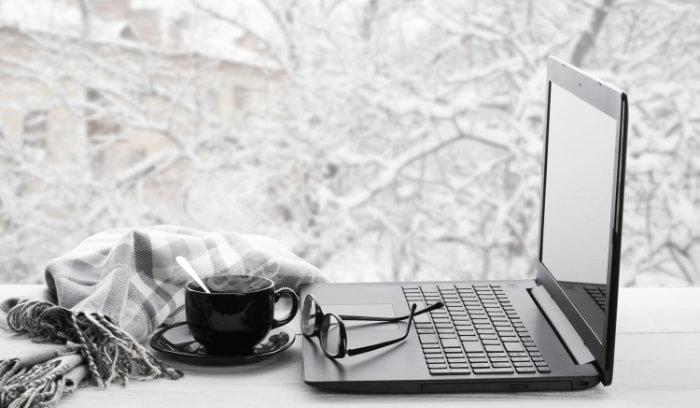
pixel 111 292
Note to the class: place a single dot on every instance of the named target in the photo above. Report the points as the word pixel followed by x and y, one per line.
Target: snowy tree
pixel 380 140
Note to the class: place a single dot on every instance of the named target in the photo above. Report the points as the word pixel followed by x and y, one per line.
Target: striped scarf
pixel 114 290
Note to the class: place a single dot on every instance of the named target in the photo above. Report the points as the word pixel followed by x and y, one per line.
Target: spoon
pixel 188 268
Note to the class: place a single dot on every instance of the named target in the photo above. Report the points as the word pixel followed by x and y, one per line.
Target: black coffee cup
pixel 237 315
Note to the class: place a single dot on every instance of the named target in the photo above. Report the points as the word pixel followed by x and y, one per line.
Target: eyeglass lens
pixel 330 335
pixel 308 316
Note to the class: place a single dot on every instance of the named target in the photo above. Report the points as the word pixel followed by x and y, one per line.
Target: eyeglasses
pixel 331 332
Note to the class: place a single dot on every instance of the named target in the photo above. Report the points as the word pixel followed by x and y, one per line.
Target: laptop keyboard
pixel 598 295
pixel 477 332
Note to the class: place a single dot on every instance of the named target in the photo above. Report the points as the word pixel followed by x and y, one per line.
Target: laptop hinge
pixel 565 330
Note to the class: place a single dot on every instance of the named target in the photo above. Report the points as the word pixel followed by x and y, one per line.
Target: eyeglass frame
pixel 343 349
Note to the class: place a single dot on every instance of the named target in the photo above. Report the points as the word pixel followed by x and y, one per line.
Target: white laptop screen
pixel 578 206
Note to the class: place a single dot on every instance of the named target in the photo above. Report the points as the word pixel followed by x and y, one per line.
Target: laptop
pixel 555 332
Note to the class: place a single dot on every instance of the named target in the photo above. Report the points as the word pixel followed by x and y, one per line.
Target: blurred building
pixel 118 90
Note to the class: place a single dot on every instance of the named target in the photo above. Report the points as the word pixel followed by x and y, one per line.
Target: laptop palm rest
pixel 365 309
pixel 561 325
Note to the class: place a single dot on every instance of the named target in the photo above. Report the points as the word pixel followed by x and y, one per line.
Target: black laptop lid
pixel 581 215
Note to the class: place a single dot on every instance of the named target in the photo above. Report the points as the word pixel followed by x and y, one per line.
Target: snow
pixel 54 16
pixel 378 140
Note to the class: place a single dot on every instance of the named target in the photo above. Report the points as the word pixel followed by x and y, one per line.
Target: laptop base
pixel 402 369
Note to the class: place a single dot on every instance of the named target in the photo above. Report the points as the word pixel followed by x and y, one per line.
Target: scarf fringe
pixel 110 353
pixel 40 386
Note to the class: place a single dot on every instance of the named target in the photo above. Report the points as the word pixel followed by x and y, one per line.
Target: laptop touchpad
pixel 365 309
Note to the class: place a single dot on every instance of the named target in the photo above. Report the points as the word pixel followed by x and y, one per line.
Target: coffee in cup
pixel 237 314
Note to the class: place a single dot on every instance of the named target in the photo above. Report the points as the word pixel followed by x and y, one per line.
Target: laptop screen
pixel 578 202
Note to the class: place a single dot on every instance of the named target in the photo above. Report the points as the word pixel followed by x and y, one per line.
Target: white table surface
pixel 657 363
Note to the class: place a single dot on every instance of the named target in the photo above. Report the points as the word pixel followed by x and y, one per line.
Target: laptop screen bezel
pixel 612 102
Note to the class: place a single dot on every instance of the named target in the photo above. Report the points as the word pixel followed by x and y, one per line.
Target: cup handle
pixel 295 306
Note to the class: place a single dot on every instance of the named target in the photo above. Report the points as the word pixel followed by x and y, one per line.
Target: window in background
pixel 384 140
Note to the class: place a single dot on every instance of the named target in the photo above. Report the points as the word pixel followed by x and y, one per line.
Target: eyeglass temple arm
pixel 365 349
pixel 430 308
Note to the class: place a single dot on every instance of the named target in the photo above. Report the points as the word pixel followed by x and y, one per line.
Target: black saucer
pixel 177 341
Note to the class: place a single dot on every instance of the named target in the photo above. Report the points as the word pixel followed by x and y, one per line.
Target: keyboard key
pixel 513 347
pixel 421 318
pixel 525 370
pixel 472 346
pixel 520 359
pixel 500 370
pixel 460 371
pixel 427 338
pixel 503 330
